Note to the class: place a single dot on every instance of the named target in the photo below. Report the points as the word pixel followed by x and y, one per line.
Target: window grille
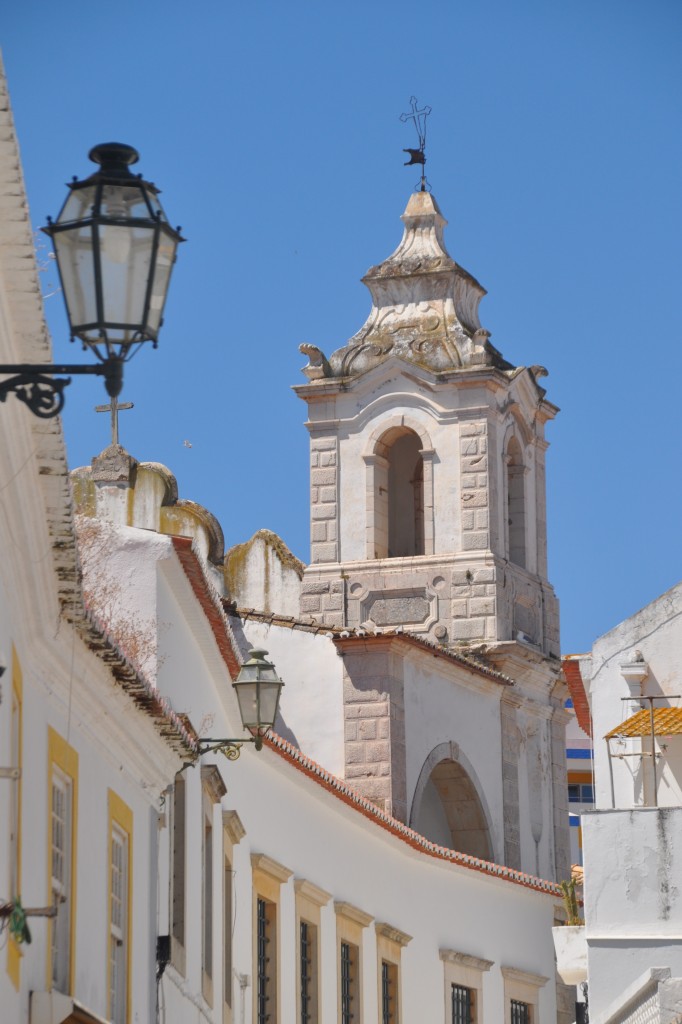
pixel 207 914
pixel 347 983
pixel 227 927
pixel 462 1005
pixel 61 878
pixel 178 880
pixel 118 953
pixel 264 973
pixel 306 971
pixel 388 992
pixel 520 1012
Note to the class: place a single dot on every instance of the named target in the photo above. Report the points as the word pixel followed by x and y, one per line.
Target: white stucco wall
pixel 656 632
pixel 633 898
pixel 311 705
pixel 440 905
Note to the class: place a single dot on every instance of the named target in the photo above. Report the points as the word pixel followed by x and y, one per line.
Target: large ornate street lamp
pixel 258 689
pixel 115 251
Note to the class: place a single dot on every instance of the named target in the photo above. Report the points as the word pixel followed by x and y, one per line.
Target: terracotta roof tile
pixel 576 687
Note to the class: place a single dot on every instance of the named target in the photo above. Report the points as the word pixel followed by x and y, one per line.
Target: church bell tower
pixel 427 463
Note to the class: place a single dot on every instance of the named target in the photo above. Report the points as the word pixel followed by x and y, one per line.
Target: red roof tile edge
pixel 576 688
pixel 418 842
pixel 210 602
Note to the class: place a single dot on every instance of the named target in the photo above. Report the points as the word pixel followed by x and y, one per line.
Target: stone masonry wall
pixel 562 842
pixel 473 605
pixel 374 727
pixel 324 500
pixel 510 781
pixel 475 511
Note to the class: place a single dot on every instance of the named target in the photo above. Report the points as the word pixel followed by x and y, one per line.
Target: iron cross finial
pixel 114 407
pixel 417 156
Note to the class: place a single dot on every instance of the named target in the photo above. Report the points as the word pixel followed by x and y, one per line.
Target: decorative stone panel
pixel 412 608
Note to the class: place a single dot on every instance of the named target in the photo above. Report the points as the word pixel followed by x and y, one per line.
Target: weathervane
pixel 417 156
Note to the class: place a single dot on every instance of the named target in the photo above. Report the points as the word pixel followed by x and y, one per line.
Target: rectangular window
pixel 308 979
pixel 580 793
pixel 350 924
pixel 520 1012
pixel 62 839
pixel 462 1005
pixel 309 900
pixel 207 907
pixel 266 961
pixel 178 876
pixel 16 759
pixel 62 793
pixel 120 904
pixel 349 982
pixel 227 934
pixel 464 986
pixel 118 952
pixel 233 833
pixel 389 992
pixel 522 995
pixel 268 877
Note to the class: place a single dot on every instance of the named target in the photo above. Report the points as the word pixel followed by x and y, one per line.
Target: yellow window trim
pixel 121 815
pixel 61 755
pixel 14 953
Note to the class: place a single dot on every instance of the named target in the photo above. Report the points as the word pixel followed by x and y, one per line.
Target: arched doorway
pixel 447 808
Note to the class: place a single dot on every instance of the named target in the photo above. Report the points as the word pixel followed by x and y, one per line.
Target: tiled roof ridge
pixel 344 792
pixel 146 696
pixel 210 601
pixel 576 688
pixel 311 625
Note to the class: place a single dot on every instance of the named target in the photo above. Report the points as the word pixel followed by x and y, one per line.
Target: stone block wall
pixel 473 606
pixel 510 781
pixel 322 598
pixel 324 500
pixel 374 729
pixel 474 496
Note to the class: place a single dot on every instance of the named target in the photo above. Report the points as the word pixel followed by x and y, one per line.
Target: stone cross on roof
pixel 114 407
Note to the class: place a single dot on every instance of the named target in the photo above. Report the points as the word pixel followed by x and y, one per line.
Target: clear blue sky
pixel 272 128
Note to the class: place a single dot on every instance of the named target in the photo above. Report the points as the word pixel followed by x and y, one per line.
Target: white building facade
pixel 631 841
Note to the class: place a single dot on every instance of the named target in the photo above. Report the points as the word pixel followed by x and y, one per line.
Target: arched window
pixel 397 511
pixel 516 503
pixel 405 497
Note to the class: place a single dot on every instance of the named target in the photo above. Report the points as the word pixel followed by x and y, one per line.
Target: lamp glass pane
pixel 78 206
pixel 247 673
pixel 269 699
pixel 125 256
pixel 124 201
pixel 248 704
pixel 73 248
pixel 164 264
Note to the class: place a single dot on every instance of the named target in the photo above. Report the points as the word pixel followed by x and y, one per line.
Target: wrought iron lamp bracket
pixel 230 748
pixel 34 385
